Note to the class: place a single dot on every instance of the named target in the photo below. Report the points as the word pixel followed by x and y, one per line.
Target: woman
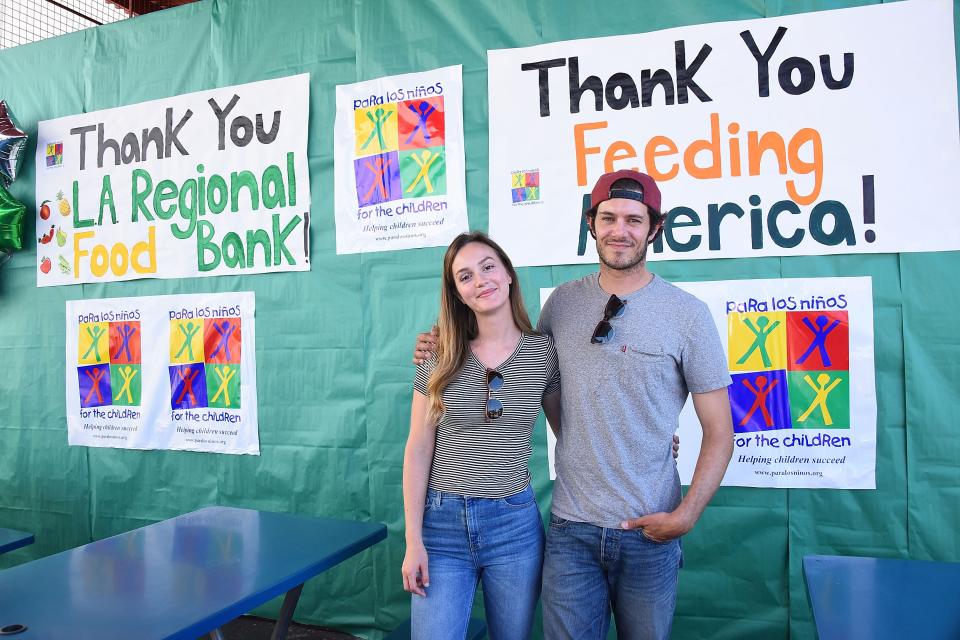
pixel 470 511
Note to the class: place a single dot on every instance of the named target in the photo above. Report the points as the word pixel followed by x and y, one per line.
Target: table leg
pixel 286 613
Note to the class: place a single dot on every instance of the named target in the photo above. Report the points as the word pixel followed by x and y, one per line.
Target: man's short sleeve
pixel 704 362
pixel 422 377
pixel 553 370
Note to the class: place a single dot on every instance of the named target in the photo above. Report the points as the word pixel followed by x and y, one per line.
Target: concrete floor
pixel 252 628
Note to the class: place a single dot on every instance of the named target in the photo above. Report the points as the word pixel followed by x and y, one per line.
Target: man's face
pixel 623 231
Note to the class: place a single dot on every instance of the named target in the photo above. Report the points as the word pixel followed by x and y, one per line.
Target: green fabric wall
pixel 332 434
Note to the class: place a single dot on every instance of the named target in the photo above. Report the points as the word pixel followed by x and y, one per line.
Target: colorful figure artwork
pixel 399 150
pixel 108 361
pixel 525 186
pixel 790 370
pixel 205 363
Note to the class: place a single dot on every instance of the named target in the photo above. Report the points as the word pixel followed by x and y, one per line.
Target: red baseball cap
pixel 648 194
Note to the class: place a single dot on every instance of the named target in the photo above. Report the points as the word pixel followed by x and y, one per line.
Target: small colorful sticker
pixel 525 186
pixel 54 154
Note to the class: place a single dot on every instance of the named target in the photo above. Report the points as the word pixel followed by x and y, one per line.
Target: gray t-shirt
pixel 621 400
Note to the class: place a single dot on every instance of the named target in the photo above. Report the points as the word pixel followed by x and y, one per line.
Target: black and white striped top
pixel 474 457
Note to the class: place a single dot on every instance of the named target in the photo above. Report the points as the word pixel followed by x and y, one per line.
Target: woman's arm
pixel 417 458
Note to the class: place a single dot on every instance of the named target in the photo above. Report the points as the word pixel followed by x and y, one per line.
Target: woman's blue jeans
pixel 496 541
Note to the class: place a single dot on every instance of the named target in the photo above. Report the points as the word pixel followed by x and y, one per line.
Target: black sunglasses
pixel 604 331
pixel 494 406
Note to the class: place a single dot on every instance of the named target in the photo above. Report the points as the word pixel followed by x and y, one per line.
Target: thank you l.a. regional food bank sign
pixel 201 184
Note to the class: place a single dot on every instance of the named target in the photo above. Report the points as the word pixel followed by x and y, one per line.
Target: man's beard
pixel 627 262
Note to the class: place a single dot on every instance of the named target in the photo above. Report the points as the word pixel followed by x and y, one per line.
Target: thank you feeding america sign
pixel 201 184
pixel 820 133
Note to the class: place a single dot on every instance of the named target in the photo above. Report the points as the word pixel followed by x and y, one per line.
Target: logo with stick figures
pixel 205 357
pixel 109 359
pixel 399 149
pixel 789 370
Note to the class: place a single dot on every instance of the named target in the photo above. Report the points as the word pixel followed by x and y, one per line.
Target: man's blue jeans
pixel 588 570
pixel 498 541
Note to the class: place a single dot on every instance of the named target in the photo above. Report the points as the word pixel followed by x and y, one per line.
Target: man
pixel 617 513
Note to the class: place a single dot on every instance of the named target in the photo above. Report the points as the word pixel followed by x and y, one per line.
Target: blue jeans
pixel 587 570
pixel 496 541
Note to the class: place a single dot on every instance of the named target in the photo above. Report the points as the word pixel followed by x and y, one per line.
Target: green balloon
pixel 11 222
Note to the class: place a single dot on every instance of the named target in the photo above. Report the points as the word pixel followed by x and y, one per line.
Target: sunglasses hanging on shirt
pixel 494 407
pixel 604 331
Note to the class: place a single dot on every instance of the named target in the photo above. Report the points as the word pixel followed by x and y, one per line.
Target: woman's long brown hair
pixel 458 324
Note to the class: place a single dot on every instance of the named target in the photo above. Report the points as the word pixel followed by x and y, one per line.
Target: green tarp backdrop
pixel 333 344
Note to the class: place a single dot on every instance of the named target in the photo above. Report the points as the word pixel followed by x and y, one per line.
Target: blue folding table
pixel 11 539
pixel 178 579
pixel 880 598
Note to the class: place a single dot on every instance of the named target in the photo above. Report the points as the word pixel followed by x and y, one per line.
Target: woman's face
pixel 482 281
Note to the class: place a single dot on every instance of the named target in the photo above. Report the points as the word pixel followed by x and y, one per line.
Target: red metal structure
pixel 140 7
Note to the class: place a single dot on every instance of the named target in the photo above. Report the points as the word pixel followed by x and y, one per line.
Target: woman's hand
pixel 416 575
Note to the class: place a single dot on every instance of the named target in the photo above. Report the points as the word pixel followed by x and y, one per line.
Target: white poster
pixel 201 184
pixel 399 163
pixel 832 132
pixel 803 398
pixel 163 372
